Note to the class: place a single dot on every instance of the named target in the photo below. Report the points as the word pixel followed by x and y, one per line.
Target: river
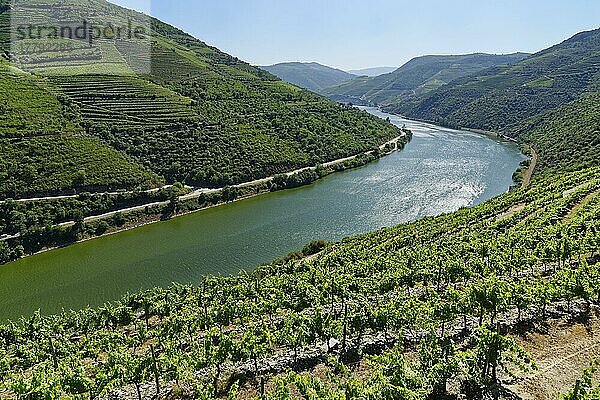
pixel 440 171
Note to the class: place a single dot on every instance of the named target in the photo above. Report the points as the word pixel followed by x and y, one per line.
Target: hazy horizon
pixel 353 34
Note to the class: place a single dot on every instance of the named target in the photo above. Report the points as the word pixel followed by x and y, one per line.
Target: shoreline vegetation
pixel 172 202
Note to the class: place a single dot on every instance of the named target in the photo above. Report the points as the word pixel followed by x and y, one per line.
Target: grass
pixel 27 108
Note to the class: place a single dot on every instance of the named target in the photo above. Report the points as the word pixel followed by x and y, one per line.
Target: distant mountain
pixel 501 98
pixel 418 76
pixel 371 72
pixel 311 76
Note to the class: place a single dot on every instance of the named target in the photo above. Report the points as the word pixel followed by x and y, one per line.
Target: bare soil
pixel 561 354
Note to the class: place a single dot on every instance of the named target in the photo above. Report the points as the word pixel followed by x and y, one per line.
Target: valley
pixel 439 171
pixel 441 221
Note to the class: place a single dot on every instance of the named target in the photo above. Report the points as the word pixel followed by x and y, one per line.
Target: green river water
pixel 440 171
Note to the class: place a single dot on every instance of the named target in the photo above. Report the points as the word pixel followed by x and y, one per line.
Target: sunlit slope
pixel 42 146
pixel 29 108
pixel 185 110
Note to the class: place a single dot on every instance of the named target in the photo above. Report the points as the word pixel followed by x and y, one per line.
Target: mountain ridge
pixel 312 76
pixel 373 71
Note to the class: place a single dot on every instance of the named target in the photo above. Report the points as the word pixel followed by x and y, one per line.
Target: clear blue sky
pixel 352 34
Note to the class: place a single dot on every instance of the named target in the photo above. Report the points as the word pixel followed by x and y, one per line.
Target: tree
pixel 101 228
pixel 5 253
pixel 79 225
pixel 79 178
pixel 174 204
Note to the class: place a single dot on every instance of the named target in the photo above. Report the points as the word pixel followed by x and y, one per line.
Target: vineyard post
pixel 155 370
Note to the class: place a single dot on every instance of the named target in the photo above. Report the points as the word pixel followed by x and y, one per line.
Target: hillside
pixel 418 76
pixel 501 98
pixel 190 113
pixel 89 129
pixel 567 138
pixel 406 312
pixel 312 76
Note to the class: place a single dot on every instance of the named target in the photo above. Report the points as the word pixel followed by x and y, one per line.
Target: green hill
pixel 567 138
pixel 418 76
pixel 311 76
pixel 501 98
pixel 42 146
pixel 176 110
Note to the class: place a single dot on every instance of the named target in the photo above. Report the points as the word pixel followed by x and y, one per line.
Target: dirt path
pixel 511 211
pixel 582 204
pixel 560 354
pixel 74 196
pixel 529 173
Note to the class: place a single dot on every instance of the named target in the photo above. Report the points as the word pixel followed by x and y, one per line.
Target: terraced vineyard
pixel 568 138
pixel 42 150
pixel 125 102
pixel 4 23
pixel 178 107
pixel 417 77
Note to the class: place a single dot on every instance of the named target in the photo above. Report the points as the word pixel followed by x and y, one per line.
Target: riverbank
pixel 527 175
pixel 483 132
pixel 122 220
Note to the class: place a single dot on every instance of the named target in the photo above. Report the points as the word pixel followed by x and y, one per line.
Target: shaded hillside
pixel 501 98
pixel 419 75
pixel 311 76
pixel 567 138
